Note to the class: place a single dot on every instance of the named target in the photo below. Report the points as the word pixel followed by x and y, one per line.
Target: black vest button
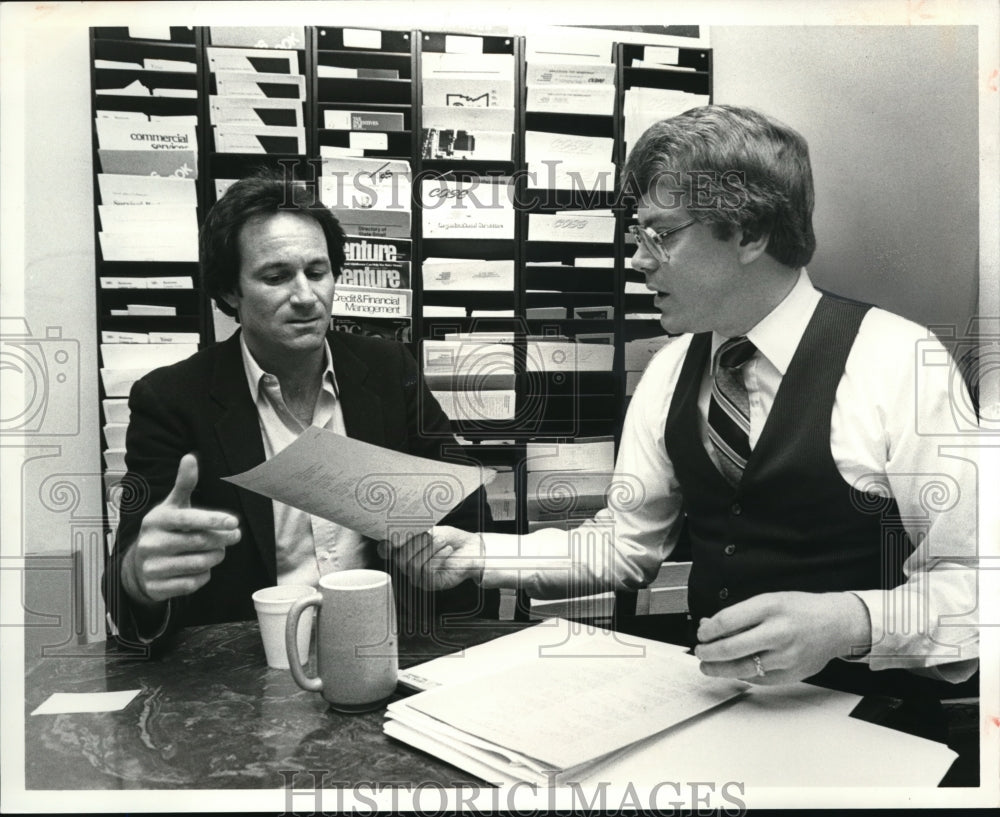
pixel 730 550
pixel 736 508
pixel 724 594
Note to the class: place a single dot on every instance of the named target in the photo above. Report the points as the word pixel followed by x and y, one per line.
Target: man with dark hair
pixel 795 434
pixel 191 549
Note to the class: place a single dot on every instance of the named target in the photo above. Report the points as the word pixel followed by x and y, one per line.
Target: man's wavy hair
pixel 732 168
pixel 267 192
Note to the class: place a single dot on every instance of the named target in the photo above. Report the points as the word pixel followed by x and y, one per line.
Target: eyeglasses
pixel 652 241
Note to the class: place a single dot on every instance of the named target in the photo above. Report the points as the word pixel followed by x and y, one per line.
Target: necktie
pixel 729 408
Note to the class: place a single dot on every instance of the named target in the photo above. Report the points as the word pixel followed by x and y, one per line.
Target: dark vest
pixel 792 523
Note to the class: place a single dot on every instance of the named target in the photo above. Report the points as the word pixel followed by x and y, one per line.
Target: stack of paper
pixel 468 106
pixel 257 107
pixel 370 197
pixel 567 481
pixel 125 357
pixel 527 717
pixel 564 713
pixel 472 378
pixel 583 88
pixel 147 217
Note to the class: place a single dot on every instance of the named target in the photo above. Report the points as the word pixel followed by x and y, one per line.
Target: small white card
pixel 61 702
pixel 362 38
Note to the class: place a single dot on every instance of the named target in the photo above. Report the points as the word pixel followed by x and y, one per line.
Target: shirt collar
pixel 778 333
pixel 254 372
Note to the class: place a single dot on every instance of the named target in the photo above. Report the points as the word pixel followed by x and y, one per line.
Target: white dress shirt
pixel 308 547
pixel 893 432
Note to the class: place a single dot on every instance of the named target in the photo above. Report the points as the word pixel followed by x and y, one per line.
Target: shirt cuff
pixel 901 640
pixel 539 563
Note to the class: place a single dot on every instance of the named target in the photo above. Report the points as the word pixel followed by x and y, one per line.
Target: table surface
pixel 211 714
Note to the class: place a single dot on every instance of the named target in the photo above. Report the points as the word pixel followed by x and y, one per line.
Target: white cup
pixel 272 605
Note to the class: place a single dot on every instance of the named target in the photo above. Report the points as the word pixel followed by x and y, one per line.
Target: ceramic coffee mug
pixel 356 640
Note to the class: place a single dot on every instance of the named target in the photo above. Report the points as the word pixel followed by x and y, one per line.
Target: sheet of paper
pixel 140 247
pixel 117 188
pixel 252 59
pixel 149 31
pixel 438 64
pixel 536 708
pixel 567 147
pixel 467 209
pixel 478 406
pixel 587 99
pixel 372 490
pixel 469 92
pixel 134 88
pixel 450 274
pixel 362 38
pixel 132 356
pixel 551 638
pixel 119 134
pixel 469 119
pixel 452 143
pixel 256 111
pixel 810 741
pixel 241 137
pixel 582 455
pixel 567 356
pixel 555 73
pixel 60 702
pixel 244 83
pixel 259 36
pixel 582 227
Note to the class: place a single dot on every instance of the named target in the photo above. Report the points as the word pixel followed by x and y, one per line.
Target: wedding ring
pixel 758 666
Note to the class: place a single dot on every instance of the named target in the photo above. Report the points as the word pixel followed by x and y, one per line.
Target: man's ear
pixel 231 299
pixel 752 243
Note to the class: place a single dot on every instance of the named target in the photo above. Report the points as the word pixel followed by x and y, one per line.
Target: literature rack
pixel 145 95
pixel 425 119
pixel 468 110
pixel 257 98
pixel 365 141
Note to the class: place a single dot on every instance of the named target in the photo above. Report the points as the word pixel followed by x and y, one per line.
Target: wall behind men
pixel 891 117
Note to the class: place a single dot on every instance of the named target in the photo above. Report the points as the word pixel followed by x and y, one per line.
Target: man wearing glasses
pixel 794 434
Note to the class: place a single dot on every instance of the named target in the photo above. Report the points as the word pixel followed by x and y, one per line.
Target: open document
pixel 376 491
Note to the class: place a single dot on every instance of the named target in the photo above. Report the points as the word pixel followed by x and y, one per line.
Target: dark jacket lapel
pixel 237 429
pixel 361 406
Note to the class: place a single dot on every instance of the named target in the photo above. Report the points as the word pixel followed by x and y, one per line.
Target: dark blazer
pixel 203 404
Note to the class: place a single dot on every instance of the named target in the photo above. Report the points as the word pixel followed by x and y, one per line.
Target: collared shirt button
pixel 724 593
pixel 736 508
pixel 729 550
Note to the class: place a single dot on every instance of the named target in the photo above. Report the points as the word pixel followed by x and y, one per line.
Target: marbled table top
pixel 211 714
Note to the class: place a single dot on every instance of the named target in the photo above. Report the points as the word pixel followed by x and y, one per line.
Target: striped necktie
pixel 729 409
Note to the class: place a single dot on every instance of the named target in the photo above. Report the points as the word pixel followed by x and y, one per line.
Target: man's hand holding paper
pixel 442 558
